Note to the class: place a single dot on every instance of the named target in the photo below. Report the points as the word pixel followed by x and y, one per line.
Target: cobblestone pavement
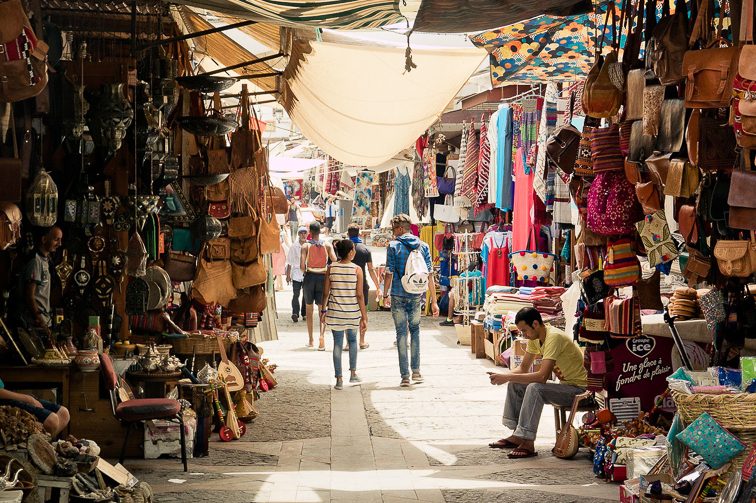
pixel 375 442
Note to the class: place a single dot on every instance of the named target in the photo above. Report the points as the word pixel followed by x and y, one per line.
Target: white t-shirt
pixel 293 260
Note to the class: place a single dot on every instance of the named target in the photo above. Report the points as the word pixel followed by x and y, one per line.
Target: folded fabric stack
pixel 501 303
pixel 684 303
pixel 548 300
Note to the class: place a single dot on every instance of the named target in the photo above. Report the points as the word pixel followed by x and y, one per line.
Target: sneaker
pixel 294 318
pixel 355 378
pixel 447 323
pixel 417 378
pixel 405 382
pixel 339 384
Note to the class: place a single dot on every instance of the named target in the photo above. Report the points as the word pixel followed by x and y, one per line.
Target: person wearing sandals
pixel 529 391
pixel 364 259
pixel 344 310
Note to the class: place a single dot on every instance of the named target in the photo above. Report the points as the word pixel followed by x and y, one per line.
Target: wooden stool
pixel 47 483
pixel 591 404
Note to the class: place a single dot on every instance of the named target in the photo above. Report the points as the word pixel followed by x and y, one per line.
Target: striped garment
pixel 605 149
pixel 484 168
pixel 470 177
pixel 343 307
pixel 622 267
pixel 623 318
pixel 462 159
pixel 340 15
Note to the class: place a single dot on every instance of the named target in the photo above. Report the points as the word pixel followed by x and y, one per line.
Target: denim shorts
pixel 41 413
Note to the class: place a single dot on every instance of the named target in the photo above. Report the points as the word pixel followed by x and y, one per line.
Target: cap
pixel 302 229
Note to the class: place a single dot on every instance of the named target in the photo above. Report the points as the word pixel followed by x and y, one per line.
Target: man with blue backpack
pixel 409 276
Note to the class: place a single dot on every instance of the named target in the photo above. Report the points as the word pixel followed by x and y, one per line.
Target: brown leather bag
pixel 23 65
pixel 217 161
pixel 698 267
pixel 658 166
pixel 180 266
pixel 247 275
pixel 736 258
pixel 244 140
pixel 217 192
pixel 269 236
pixel 710 72
pixel 213 283
pixel 242 227
pixel 249 300
pixel 688 223
pixel 711 142
pixel 649 197
pixel 669 41
pixel 601 98
pixel 671 126
pixel 218 249
pixel 742 200
pixel 682 179
pixel 277 199
pixel 244 251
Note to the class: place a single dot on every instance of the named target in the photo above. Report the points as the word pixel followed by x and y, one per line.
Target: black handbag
pixel 594 288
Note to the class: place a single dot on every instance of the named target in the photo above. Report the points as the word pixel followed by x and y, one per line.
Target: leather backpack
pixel 601 97
pixel 668 43
pixel 23 63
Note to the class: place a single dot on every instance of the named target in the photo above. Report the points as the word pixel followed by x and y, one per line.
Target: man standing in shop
pixel 363 258
pixel 405 306
pixel 529 391
pixel 294 273
pixel 34 288
pixel 314 262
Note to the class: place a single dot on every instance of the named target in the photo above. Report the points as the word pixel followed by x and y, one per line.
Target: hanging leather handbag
pixel 243 227
pixel 218 192
pixel 698 266
pixel 205 228
pixel 682 179
pixel 636 82
pixel 601 98
pixel 710 72
pixel 213 283
pixel 217 161
pixel 711 141
pixel 743 110
pixel 653 97
pixel 244 250
pixel 277 199
pixel 249 300
pixel 649 197
pixel 180 266
pixel 736 258
pixel 218 249
pixel 668 43
pixel 641 144
pixel 562 147
pixel 243 140
pixel 742 200
pixel 648 292
pixel 269 239
pixel 687 220
pixel 248 275
pixel 671 126
pixel 23 66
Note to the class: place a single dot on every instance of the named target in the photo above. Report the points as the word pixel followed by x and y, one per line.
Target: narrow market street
pixel 376 442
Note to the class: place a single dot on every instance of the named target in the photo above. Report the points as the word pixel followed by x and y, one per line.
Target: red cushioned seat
pixel 148 408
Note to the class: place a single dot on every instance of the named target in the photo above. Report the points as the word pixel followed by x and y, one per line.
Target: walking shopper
pixel 295 275
pixel 405 306
pixel 529 391
pixel 293 218
pixel 343 307
pixel 363 258
pixel 314 263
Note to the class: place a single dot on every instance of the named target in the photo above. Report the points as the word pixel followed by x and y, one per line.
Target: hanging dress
pixel 495 255
pixel 401 196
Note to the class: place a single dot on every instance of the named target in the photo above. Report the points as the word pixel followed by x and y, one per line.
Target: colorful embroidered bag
pixel 605 149
pixel 532 265
pixel 613 208
pixel 657 238
pixel 622 267
pixel 708 439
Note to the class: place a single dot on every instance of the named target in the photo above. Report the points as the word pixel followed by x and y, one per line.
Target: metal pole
pixel 242 65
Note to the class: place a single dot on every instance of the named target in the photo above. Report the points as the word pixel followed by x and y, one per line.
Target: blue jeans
pixel 338 345
pixel 406 313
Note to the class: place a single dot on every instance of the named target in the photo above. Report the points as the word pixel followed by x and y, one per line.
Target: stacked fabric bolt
pixel 684 303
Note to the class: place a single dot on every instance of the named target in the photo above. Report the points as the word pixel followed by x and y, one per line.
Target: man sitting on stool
pixel 54 418
pixel 529 391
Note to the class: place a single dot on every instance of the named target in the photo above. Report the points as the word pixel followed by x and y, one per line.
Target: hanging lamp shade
pixel 42 200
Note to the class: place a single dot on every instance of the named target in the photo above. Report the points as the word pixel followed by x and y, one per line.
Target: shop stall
pixel 138 223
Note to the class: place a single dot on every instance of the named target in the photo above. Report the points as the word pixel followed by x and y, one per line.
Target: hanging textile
pixel 363 197
pixel 495 256
pixel 562 211
pixel 544 48
pixel 504 159
pixel 402 183
pixel 418 189
pixel 531 115
pixel 332 176
pixel 430 183
pixel 544 131
pixel 522 217
pixel 470 175
pixel 428 236
pixel 493 142
pixel 462 159
pixel 484 165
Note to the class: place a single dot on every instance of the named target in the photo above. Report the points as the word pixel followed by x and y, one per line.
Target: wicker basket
pixel 732 411
pixel 197 344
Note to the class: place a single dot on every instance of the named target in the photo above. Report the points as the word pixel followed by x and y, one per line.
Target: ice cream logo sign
pixel 641 346
pixel 641 365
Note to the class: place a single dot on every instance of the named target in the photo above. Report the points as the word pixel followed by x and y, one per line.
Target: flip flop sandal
pixel 503 444
pixel 520 453
pixel 364 346
pixel 321 348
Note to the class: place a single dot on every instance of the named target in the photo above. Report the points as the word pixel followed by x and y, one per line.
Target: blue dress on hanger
pixel 504 159
pixel 401 196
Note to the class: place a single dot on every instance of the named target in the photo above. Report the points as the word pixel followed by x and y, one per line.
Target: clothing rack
pixel 466 289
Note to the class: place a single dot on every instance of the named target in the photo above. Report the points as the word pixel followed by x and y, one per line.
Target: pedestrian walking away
pixel 408 262
pixel 314 262
pixel 528 391
pixel 364 259
pixel 295 275
pixel 343 307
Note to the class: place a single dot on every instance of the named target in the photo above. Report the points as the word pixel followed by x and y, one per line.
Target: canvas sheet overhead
pixel 543 48
pixel 358 105
pixel 339 15
pixel 466 16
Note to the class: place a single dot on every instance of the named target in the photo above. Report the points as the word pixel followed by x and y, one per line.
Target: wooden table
pixel 38 377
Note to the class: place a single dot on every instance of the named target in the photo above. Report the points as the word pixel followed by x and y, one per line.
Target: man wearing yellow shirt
pixel 529 391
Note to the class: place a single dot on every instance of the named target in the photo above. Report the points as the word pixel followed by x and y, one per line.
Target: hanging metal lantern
pixel 42 201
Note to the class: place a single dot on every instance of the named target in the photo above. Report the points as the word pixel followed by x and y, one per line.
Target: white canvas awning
pixel 359 105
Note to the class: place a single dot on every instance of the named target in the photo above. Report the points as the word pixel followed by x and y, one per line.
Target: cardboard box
pixel 518 352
